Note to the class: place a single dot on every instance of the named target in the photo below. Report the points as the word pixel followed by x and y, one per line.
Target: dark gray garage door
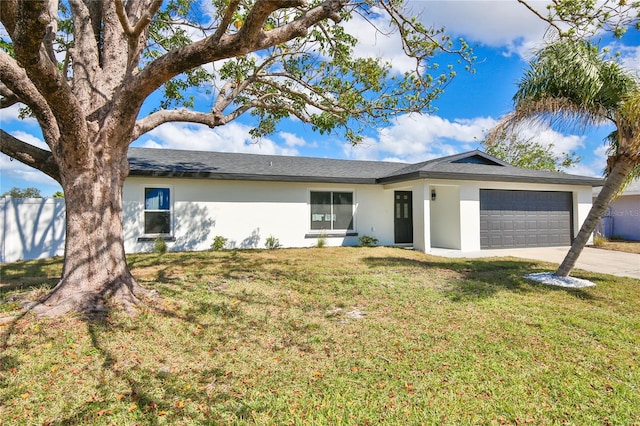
pixel 525 218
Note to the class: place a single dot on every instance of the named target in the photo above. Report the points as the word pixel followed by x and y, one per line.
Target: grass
pixel 618 245
pixel 328 336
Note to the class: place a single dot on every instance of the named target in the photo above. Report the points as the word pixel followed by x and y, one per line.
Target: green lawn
pixel 327 336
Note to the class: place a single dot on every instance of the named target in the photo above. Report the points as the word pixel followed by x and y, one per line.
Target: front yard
pixel 327 336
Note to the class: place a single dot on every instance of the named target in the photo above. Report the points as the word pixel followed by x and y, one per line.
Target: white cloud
pixel 546 136
pixel 30 139
pixel 15 170
pixel 496 23
pixel 12 114
pixel 415 138
pixel 414 134
pixel 629 56
pixel 375 40
pixel 595 167
pixel 232 137
pixel 292 140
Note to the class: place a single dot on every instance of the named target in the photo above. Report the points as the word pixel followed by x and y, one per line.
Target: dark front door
pixel 403 217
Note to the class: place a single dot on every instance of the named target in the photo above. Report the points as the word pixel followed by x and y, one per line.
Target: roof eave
pixel 250 177
pixel 494 178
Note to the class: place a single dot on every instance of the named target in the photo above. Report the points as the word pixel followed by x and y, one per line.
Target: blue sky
pixel 503 34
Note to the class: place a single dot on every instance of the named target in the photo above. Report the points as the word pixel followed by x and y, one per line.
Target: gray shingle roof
pixel 221 165
pixel 632 189
pixel 451 168
pixel 224 165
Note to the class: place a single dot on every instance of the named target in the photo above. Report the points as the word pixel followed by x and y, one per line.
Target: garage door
pixel 525 218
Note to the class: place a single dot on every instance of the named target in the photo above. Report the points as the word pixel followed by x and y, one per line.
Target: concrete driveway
pixel 592 259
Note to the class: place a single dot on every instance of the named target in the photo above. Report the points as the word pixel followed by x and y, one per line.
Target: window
pixel 331 210
pixel 157 211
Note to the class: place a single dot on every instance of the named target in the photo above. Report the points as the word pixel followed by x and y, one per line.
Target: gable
pixel 477 159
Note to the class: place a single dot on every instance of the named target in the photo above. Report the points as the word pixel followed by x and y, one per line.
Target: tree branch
pixel 251 31
pixel 28 154
pixel 209 49
pixel 226 20
pixel 122 17
pixel 134 32
pixel 154 120
pixel 8 97
pixel 86 55
pixel 548 20
pixel 44 74
pixel 9 15
pixel 16 81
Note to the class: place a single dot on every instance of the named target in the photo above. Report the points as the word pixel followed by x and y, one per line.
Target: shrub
pixel 160 245
pixel 599 240
pixel 322 241
pixel 219 242
pixel 368 241
pixel 272 242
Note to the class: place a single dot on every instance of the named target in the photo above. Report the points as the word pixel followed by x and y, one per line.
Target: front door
pixel 403 217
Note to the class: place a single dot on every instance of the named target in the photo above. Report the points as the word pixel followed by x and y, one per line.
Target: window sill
pixel 332 234
pixel 167 238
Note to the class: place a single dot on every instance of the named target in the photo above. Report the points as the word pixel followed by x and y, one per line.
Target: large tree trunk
pixel 612 184
pixel 95 271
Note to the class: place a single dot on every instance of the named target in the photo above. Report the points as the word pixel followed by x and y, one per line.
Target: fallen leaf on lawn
pixel 132 407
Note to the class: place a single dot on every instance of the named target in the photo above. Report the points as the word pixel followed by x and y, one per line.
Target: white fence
pixel 31 228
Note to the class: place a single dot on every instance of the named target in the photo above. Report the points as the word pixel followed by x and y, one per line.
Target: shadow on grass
pixel 25 275
pixel 479 278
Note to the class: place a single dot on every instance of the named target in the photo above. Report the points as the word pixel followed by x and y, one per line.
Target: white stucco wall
pixel 443 220
pixel 246 213
pixel 445 230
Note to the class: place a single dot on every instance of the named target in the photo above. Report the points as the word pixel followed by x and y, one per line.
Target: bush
pixel 322 241
pixel 160 245
pixel 599 240
pixel 219 242
pixel 367 241
pixel 272 242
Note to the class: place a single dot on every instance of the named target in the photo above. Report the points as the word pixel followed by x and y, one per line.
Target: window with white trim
pixel 331 210
pixel 157 211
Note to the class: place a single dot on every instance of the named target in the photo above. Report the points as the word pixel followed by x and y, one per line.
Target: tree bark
pixel 612 184
pixel 95 271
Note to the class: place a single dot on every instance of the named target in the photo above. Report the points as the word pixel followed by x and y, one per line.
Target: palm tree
pixel 571 84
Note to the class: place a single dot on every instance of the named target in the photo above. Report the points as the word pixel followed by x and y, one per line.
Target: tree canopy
pixel 23 193
pixel 582 19
pixel 529 153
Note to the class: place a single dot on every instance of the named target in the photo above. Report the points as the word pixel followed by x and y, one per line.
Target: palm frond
pixel 571 83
